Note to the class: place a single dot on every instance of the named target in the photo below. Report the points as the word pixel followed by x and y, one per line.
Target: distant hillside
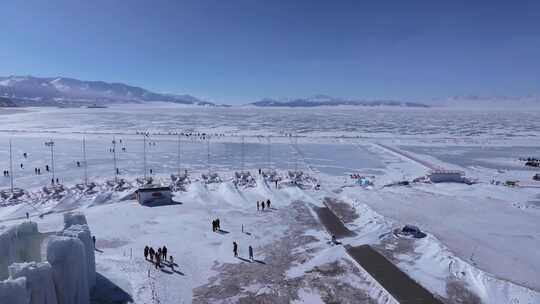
pixel 46 91
pixel 323 100
pixel 479 101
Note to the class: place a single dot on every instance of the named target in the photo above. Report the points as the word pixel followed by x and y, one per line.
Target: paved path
pixel 397 283
pixel 410 157
pixel 391 278
pixel 332 223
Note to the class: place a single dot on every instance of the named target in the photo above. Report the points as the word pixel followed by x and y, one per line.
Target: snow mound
pixel 244 179
pixel 14 291
pixel 39 281
pixel 102 198
pixel 67 256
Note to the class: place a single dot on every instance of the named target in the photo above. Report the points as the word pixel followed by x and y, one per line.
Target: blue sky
pixel 239 51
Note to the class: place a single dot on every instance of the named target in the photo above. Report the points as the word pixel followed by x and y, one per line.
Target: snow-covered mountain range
pixel 62 91
pixel 324 100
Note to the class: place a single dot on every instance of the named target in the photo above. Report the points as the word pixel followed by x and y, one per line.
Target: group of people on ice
pixel 235 250
pixel 215 225
pixel 158 256
pixel 262 205
pixel 37 170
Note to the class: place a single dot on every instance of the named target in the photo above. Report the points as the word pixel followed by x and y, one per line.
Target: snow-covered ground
pixel 483 240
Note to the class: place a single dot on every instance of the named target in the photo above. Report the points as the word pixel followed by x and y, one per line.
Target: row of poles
pixel 50 143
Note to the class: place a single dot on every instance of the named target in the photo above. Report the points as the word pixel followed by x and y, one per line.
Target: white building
pixel 447 176
pixel 154 196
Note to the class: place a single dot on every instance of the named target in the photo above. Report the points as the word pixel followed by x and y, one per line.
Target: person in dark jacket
pixel 251 253
pixel 235 249
pixel 151 252
pixel 164 252
pixel 146 252
pixel 158 260
pixel 268 203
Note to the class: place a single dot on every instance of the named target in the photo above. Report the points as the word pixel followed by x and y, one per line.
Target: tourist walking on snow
pixel 251 253
pixel 158 260
pixel 235 249
pixel 257 205
pixel 146 252
pixel 268 204
pixel 164 252
pixel 151 252
pixel 262 205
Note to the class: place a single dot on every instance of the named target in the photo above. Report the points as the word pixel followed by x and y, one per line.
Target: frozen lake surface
pixel 370 122
pixel 493 157
pixel 482 238
pixel 224 155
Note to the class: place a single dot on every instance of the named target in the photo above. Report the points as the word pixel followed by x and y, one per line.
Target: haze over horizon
pixel 242 51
